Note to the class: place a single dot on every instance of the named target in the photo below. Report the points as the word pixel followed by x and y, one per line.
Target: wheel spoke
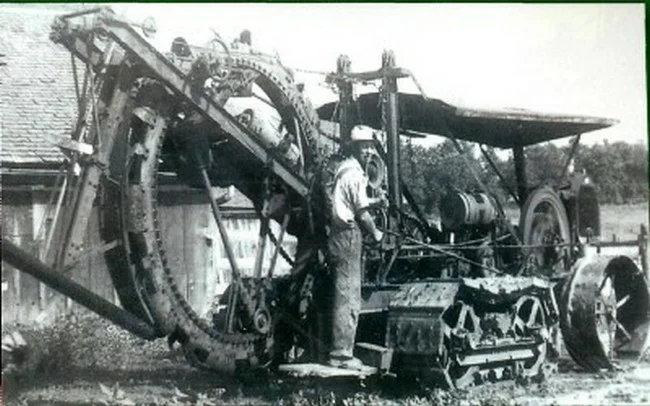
pixel 216 212
pixel 278 244
pixel 622 328
pixel 261 246
pixel 603 283
pixel 621 302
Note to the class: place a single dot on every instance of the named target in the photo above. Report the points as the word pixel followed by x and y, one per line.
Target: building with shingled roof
pixel 38 98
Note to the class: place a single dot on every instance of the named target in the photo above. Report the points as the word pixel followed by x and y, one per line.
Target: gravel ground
pixel 85 360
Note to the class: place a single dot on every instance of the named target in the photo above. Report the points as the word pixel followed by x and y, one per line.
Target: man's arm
pixel 380 200
pixel 368 224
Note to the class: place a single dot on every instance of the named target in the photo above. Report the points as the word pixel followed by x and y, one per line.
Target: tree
pixel 618 170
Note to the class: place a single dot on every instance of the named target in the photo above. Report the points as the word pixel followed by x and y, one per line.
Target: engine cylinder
pixel 458 209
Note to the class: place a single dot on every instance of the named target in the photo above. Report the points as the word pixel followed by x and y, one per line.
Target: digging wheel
pixel 148 286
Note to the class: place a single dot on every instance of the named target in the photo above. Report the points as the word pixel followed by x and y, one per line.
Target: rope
pixel 312 72
pixel 417 84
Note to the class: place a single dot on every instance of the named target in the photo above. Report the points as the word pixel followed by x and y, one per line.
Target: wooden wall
pixel 192 244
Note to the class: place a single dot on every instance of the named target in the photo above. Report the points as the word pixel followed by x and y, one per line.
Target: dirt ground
pixel 88 361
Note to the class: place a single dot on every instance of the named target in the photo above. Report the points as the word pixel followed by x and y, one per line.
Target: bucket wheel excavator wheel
pixel 149 282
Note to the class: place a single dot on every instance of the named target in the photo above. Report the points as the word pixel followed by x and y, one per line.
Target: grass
pixel 623 221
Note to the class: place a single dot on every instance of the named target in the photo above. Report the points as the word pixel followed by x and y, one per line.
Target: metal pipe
pixel 569 158
pixel 216 212
pixel 499 175
pixel 27 263
pixel 261 247
pixel 407 192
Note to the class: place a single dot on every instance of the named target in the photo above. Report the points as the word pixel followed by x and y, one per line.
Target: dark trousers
pixel 345 259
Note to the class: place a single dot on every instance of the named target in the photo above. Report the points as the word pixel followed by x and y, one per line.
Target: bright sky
pixel 586 59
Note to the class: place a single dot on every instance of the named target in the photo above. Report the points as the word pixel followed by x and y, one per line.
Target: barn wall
pixel 26 221
pixel 195 251
pixel 192 243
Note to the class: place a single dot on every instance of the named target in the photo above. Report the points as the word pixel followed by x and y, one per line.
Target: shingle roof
pixel 37 97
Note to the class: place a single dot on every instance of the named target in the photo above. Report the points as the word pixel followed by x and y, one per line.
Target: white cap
pixel 361 133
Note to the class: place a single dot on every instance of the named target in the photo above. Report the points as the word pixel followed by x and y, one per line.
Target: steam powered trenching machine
pixel 474 299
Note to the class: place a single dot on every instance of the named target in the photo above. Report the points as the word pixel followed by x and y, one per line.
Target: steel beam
pixel 75 218
pixel 345 98
pixel 391 106
pixel 520 174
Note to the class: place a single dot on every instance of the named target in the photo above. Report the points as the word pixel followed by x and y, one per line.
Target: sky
pixel 583 59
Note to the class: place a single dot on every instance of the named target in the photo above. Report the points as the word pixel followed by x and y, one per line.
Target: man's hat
pixel 361 133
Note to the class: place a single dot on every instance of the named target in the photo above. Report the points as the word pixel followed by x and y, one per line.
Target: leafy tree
pixel 619 170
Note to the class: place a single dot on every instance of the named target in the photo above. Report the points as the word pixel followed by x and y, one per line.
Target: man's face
pixel 364 151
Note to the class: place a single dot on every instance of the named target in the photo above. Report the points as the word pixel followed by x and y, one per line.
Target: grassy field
pixel 623 220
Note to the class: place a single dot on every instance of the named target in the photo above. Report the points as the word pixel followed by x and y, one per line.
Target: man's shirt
pixel 349 194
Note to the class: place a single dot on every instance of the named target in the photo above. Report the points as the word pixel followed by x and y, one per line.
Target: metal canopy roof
pixel 498 128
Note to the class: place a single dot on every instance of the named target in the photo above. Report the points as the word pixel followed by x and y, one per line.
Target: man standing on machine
pixel 348 217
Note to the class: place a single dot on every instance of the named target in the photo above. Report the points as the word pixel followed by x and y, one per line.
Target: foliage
pixel 619 170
